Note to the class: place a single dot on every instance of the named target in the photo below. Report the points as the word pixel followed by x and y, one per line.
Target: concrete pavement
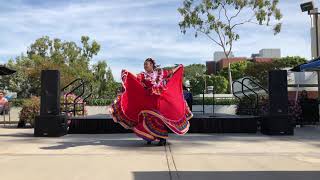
pixel 194 156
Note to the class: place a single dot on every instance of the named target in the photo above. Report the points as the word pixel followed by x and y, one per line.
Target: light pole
pixel 309 6
pixel 230 78
pixel 315 14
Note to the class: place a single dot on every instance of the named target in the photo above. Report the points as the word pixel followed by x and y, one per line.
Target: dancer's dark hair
pixel 152 61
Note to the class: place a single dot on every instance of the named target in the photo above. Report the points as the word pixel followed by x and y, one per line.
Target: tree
pixel 18 82
pixel 105 85
pixel 72 61
pixel 259 71
pixel 112 86
pixel 238 70
pixel 219 20
pixel 289 61
pixel 219 83
pixel 197 84
pixel 100 73
pixel 192 70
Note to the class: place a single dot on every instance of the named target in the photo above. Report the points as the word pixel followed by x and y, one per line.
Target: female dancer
pixel 152 103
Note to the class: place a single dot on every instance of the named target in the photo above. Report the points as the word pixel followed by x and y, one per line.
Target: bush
pixel 17 102
pixel 249 106
pixel 294 109
pixel 30 109
pixel 208 101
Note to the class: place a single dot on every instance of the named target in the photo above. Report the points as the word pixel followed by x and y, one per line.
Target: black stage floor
pixel 200 123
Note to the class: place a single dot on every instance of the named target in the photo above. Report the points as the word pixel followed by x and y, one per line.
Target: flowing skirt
pixel 149 115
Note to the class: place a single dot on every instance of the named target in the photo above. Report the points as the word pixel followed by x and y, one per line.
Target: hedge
pixel 99 102
pixel 208 101
pixel 105 102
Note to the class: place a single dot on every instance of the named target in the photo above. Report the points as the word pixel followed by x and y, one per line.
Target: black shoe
pixel 148 142
pixel 162 142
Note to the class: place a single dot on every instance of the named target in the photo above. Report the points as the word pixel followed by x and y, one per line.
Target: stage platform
pixel 200 123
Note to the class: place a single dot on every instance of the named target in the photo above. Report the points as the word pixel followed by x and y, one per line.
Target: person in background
pixel 3 102
pixel 303 95
pixel 188 97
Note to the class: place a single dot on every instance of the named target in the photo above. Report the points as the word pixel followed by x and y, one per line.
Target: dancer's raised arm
pixel 176 68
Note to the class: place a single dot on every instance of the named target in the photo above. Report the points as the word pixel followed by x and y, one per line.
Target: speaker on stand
pixel 278 122
pixel 50 122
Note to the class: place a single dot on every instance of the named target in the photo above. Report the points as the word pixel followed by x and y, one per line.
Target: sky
pixel 129 31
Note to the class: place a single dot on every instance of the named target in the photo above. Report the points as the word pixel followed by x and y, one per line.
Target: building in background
pixel 261 59
pixel 223 63
pixel 220 61
pixel 220 55
pixel 270 53
pixel 211 67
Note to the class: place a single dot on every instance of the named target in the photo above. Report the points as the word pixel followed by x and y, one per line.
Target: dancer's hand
pixel 176 68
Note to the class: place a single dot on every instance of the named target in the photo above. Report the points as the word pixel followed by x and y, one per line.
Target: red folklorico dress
pixel 151 103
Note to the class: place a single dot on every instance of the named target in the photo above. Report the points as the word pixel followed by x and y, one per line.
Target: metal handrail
pixel 248 88
pixel 75 100
pixel 257 96
pixel 74 89
pixel 252 90
pixel 86 97
pixel 91 90
pixel 233 92
pixel 74 81
pixel 260 86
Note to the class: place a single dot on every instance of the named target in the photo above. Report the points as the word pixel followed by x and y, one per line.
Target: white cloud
pixel 130 31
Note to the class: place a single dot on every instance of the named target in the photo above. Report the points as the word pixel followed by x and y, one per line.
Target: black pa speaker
pixel 277 125
pixel 50 92
pixel 50 125
pixel 278 121
pixel 278 92
pixel 50 122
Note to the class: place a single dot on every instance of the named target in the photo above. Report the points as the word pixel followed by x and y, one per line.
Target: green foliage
pixel 219 83
pixel 197 84
pixel 260 71
pixel 30 109
pixel 237 70
pixel 193 70
pixel 17 102
pixel 66 56
pixel 43 54
pixel 100 73
pixel 99 102
pixel 200 82
pixel 288 61
pixel 112 86
pixel 194 73
pixel 218 19
pixel 249 106
pixel 70 59
pixel 19 82
pixel 208 101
